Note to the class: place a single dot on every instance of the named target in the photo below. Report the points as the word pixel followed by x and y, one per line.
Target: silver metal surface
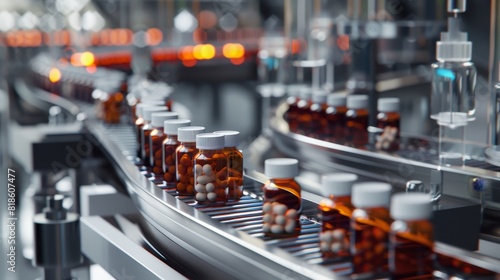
pixel 111 249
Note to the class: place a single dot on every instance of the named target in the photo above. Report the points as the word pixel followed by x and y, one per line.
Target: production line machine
pixel 84 199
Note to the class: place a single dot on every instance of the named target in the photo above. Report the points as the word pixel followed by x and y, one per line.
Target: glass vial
pixel 453 92
pixel 292 101
pixel 282 198
pixel 388 120
pixel 235 163
pixel 335 214
pixel 412 238
pixel 211 170
pixel 156 137
pixel 146 130
pixel 357 121
pixel 184 158
pixel 317 111
pixel 335 118
pixel 370 226
pixel 169 146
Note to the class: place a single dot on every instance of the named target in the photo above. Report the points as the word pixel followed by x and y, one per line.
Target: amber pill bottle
pixel 357 121
pixel 370 226
pixel 282 198
pixel 303 111
pixel 169 145
pixel 146 130
pixel 140 121
pixel 412 237
pixel 292 101
pixel 211 170
pixel 156 137
pixel 184 158
pixel 235 163
pixel 317 110
pixel 336 118
pixel 335 214
pixel 388 119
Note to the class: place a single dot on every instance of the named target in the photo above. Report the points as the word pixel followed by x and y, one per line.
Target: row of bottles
pixel 357 224
pixel 207 166
pixel 341 119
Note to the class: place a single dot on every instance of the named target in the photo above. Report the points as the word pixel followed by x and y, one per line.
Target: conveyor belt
pixel 245 214
pixel 235 227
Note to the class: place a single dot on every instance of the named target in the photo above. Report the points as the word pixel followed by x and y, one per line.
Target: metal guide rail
pixel 397 167
pixel 227 241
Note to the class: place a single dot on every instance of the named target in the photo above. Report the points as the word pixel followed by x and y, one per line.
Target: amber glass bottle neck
pixel 340 198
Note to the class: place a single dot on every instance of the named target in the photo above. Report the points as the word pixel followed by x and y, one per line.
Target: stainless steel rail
pixel 396 168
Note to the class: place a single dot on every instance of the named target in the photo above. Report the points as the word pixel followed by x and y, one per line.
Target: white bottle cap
pixel 170 126
pixel 411 206
pixel 159 117
pixel 147 112
pixel 210 141
pixel 357 101
pixel 319 96
pixel 453 45
pixel 139 108
pixel 336 99
pixel 231 137
pixel 294 90
pixel 337 184
pixel 389 104
pixel 305 93
pixel 188 133
pixel 371 194
pixel 281 167
pixel 153 101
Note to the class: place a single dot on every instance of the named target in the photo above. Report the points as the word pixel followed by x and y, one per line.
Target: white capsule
pixel 210 187
pixel 338 234
pixel 336 247
pixel 324 246
pixel 279 209
pixel 199 188
pixel 201 196
pixel 207 169
pixel 276 229
pixel 212 196
pixel 326 236
pixel 291 213
pixel 266 207
pixel 268 218
pixel 266 227
pixel 290 226
pixel 198 169
pixel 280 220
pixel 203 179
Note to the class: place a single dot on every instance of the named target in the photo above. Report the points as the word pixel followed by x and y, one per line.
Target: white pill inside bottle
pixel 276 229
pixel 210 187
pixel 201 196
pixel 198 169
pixel 279 209
pixel 212 196
pixel 207 169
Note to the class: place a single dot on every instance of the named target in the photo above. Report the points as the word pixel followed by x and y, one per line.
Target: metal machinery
pixel 84 204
